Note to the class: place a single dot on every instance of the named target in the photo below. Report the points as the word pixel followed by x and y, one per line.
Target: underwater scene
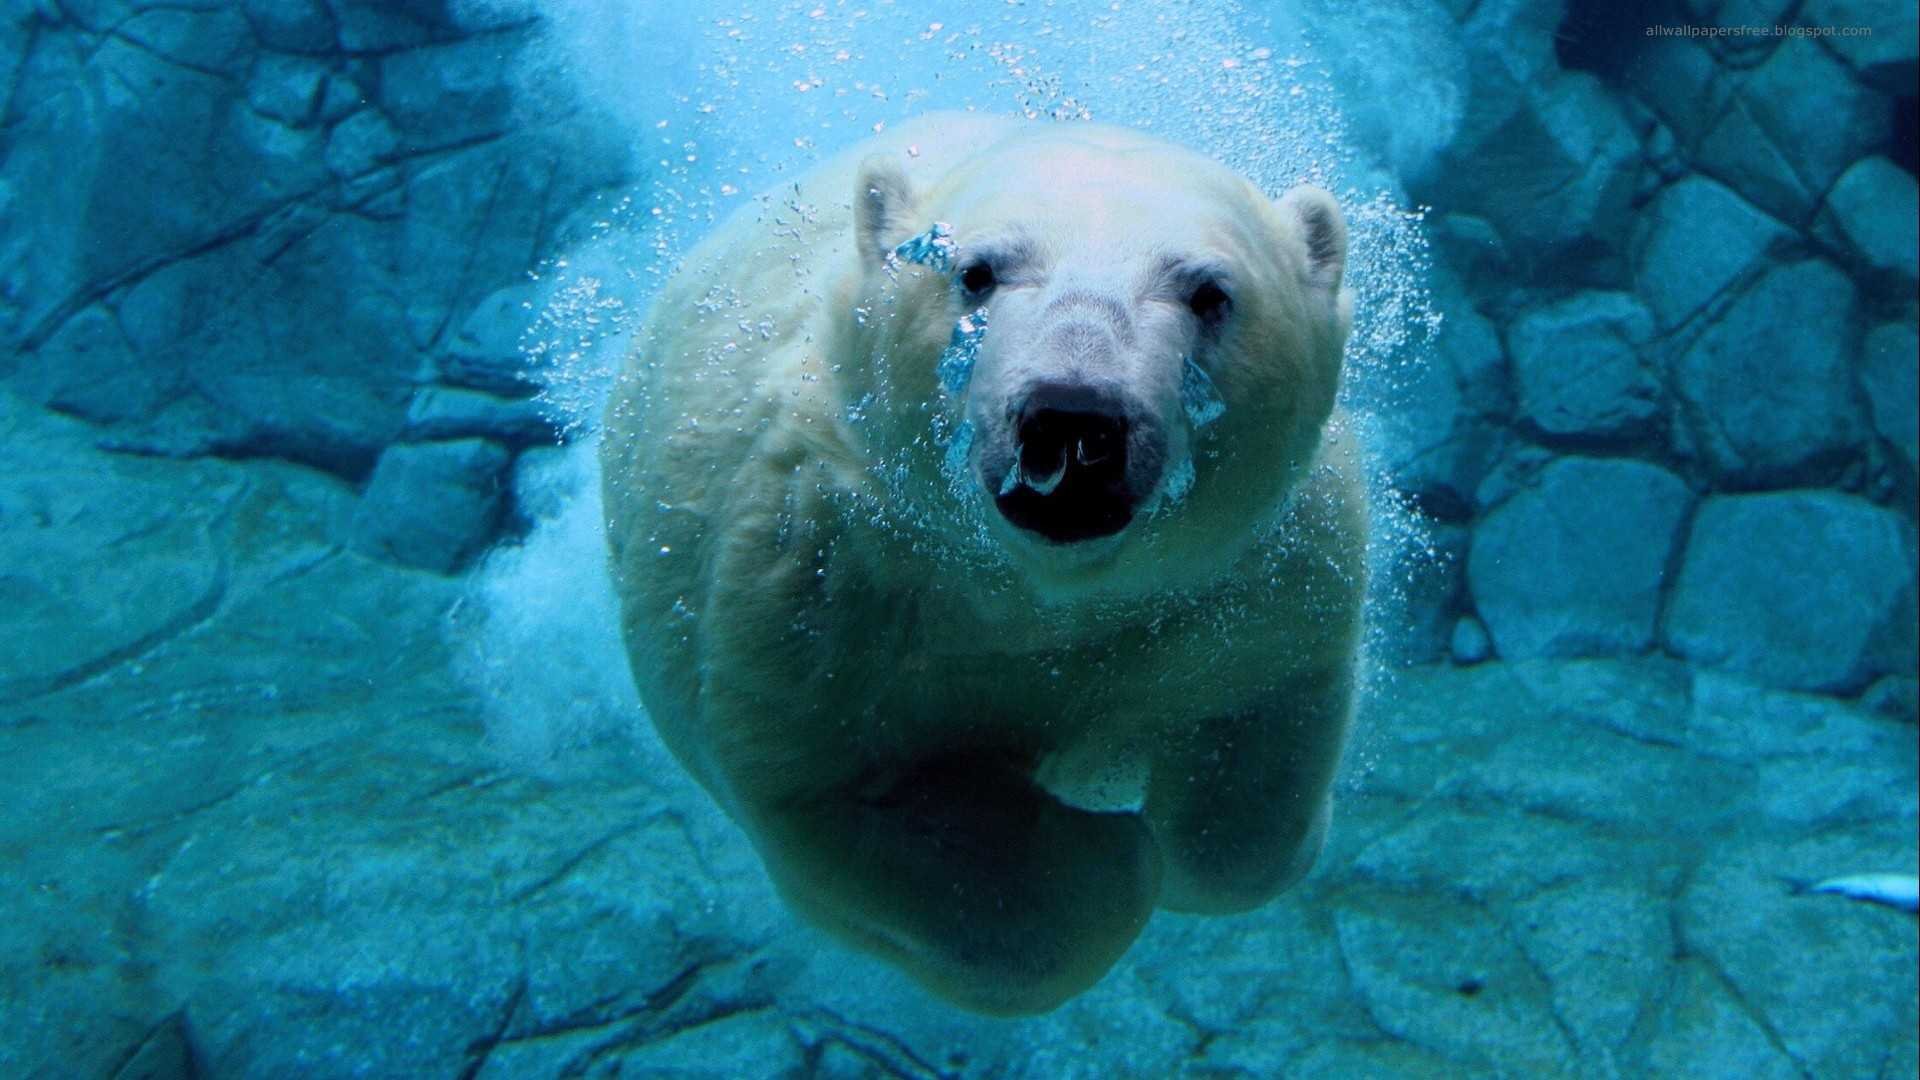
pixel 1209 539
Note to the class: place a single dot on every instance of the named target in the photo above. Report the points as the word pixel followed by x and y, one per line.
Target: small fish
pixel 1894 890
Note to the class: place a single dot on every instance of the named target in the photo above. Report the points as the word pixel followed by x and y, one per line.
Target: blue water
pixel 320 744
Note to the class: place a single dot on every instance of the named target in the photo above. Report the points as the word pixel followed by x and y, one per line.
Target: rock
pixel 487 205
pixel 360 143
pixel 1510 50
pixel 448 93
pixel 1809 590
pixel 432 505
pixel 1700 1019
pixel 89 156
pixel 1470 644
pixel 165 1054
pixel 204 39
pixel 1875 209
pixel 88 370
pixel 1645 699
pixel 1888 361
pixel 1682 84
pixel 1481 856
pixel 445 413
pixel 1735 913
pixel 1517 469
pixel 1578 368
pixel 1603 949
pixel 104 558
pixel 215 320
pixel 738 1042
pixel 1556 174
pixel 1772 731
pixel 1434 589
pixel 1744 155
pixel 1896 697
pixel 485 353
pixel 1695 240
pixel 1815 111
pixel 296 26
pixel 373 26
pixel 1888 59
pixel 1729 716
pixel 343 95
pixel 1456 988
pixel 283 149
pixel 1469 244
pixel 287 88
pixel 1765 391
pixel 1573 565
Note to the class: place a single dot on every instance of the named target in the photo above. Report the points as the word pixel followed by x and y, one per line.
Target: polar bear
pixel 989 546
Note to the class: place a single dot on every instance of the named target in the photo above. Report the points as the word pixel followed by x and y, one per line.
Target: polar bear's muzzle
pixel 1082 463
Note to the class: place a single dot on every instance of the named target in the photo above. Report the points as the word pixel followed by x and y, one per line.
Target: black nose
pixel 1068 481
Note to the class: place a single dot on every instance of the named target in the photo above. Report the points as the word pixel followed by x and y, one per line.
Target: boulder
pixel 451 93
pixel 1579 369
pixel 1682 84
pixel 104 558
pixel 1888 360
pixel 1815 110
pixel 1888 59
pixel 1695 239
pixel 1557 173
pixel 1470 643
pixel 383 26
pixel 1748 158
pixel 1572 566
pixel 1874 209
pixel 209 39
pixel 432 505
pixel 1412 988
pixel 295 26
pixel 287 88
pixel 1766 391
pixel 88 370
pixel 440 412
pixel 1810 590
pixel 485 352
pixel 360 143
pixel 1510 50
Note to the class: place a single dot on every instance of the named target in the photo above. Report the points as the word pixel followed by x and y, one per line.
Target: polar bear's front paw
pixel 983 887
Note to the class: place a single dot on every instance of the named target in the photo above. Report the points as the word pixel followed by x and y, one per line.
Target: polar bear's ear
pixel 882 206
pixel 1314 217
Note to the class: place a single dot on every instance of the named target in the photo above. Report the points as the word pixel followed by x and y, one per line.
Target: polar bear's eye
pixel 978 278
pixel 1210 303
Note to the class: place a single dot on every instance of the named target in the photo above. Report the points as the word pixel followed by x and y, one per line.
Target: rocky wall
pixel 267 229
pixel 1672 407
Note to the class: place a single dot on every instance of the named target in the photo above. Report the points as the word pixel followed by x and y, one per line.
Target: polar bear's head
pixel 1131 289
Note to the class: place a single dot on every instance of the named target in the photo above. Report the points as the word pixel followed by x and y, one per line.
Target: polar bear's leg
pixel 1239 804
pixel 982 886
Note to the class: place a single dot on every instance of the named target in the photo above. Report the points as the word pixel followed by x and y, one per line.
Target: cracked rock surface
pixel 254 229
pixel 253 829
